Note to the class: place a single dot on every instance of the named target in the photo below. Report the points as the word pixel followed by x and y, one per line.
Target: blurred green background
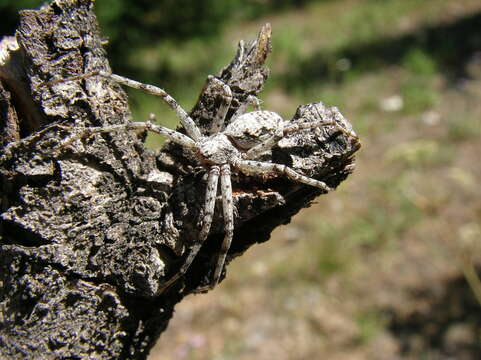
pixel 385 267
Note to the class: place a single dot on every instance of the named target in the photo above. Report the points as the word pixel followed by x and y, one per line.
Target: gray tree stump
pixel 89 233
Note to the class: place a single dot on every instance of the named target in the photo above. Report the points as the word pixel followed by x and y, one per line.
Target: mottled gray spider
pixel 237 145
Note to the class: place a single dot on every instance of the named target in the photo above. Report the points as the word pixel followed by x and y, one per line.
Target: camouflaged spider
pixel 247 136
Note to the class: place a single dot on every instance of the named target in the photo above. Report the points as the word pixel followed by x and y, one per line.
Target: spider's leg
pixel 170 134
pixel 240 51
pixel 186 121
pixel 292 128
pixel 259 168
pixel 228 209
pixel 255 102
pixel 141 126
pixel 268 144
pixel 226 99
pixel 209 206
pixel 242 109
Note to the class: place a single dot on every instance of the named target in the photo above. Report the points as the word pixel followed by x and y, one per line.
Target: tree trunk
pixel 90 232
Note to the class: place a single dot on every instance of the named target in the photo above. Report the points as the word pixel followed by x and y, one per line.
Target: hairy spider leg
pixel 228 209
pixel 228 212
pixel 209 206
pixel 172 135
pixel 226 98
pixel 189 125
pixel 269 143
pixel 242 109
pixel 292 128
pixel 259 168
pixel 342 129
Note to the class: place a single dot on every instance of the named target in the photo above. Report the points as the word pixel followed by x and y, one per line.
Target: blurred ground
pixel 384 267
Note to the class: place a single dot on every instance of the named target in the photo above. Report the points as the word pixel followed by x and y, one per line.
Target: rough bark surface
pixel 90 232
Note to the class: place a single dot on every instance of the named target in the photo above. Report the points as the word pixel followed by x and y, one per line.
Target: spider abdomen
pixel 254 128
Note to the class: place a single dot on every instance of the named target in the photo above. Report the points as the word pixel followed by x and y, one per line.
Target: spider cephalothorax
pixel 235 146
pixel 217 149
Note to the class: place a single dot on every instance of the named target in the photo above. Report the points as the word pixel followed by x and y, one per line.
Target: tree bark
pixel 90 232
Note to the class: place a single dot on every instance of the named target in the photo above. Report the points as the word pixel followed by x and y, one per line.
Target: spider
pixel 236 145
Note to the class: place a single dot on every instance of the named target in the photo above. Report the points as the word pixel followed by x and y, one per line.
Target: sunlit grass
pixel 420 153
pixel 464 126
pixel 370 324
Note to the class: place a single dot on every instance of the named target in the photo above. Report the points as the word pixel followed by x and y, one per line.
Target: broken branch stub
pixel 89 233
